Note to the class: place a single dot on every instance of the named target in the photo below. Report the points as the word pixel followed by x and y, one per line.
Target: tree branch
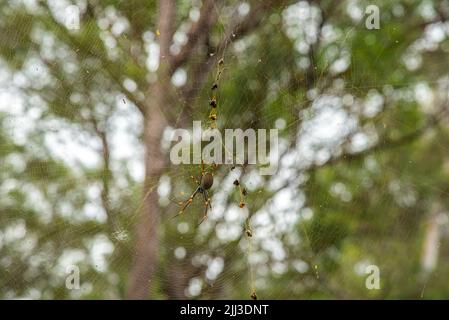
pixel 167 10
pixel 195 33
pixel 109 67
pixel 237 30
pixel 387 143
pixel 101 133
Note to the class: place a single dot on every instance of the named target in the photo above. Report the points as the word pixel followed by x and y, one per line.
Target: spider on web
pixel 205 182
pixel 203 186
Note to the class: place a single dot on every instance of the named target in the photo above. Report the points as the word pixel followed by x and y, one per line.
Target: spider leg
pixel 206 197
pixel 207 205
pixel 188 202
pixel 197 182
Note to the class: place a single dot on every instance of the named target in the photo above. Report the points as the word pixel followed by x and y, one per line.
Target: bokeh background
pixel 87 109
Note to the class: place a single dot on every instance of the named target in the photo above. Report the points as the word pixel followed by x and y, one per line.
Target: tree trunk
pixel 145 259
pixel 160 98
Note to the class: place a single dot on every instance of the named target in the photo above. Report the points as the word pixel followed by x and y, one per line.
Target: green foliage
pixel 369 206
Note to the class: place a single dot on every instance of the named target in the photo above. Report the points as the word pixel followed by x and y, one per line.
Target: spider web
pixel 51 203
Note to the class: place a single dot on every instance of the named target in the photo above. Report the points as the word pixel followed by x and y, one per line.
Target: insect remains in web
pixel 213 98
pixel 206 180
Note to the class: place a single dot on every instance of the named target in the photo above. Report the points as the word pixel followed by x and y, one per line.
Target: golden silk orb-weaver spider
pixel 203 185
